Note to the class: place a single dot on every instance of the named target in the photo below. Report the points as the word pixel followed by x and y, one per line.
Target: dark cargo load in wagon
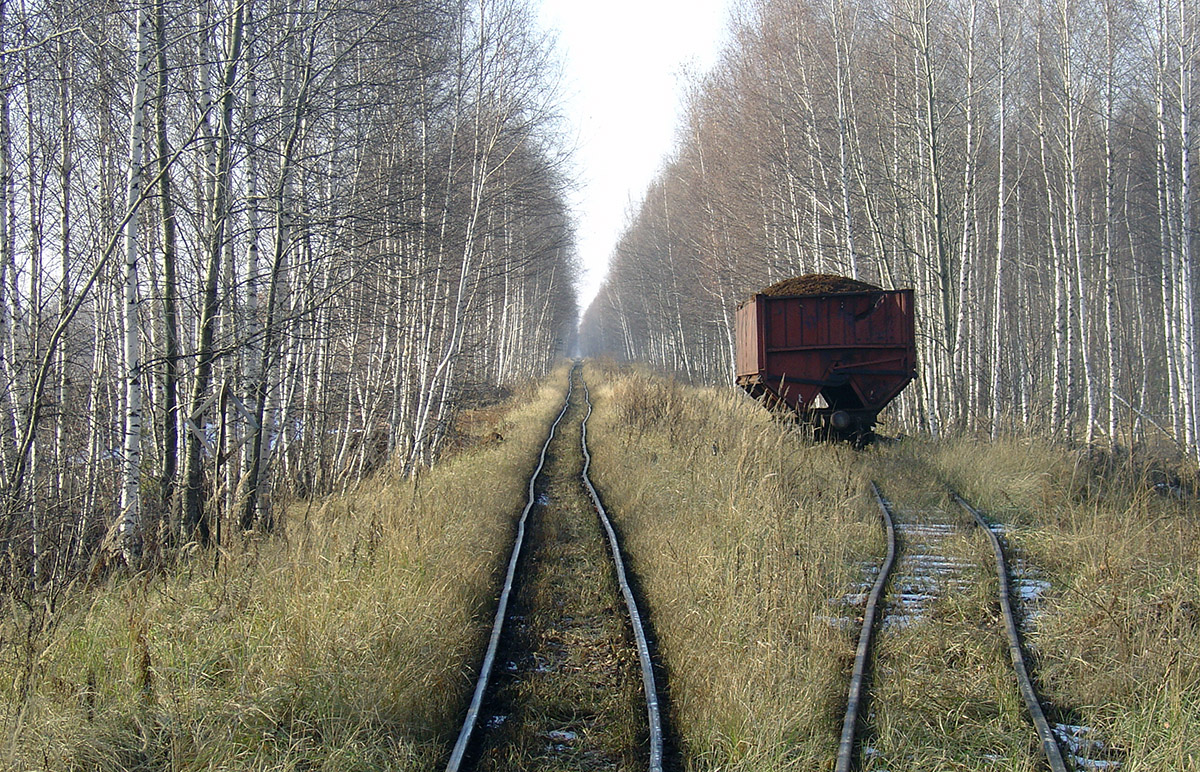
pixel 835 357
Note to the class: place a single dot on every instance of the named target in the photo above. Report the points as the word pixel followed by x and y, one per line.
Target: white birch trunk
pixel 130 527
pixel 65 172
pixel 1167 253
pixel 1001 221
pixel 841 42
pixel 10 431
pixel 1110 285
pixel 964 373
pixel 1059 398
pixel 1071 129
pixel 1190 370
pixel 255 390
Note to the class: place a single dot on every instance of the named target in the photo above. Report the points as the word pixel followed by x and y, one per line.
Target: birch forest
pixel 256 247
pixel 1029 167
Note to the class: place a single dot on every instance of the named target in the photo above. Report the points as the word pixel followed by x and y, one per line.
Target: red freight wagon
pixel 836 358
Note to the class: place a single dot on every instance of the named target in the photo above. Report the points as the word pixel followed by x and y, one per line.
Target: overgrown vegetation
pixel 1115 634
pixel 1118 638
pixel 943 691
pixel 346 641
pixel 568 696
pixel 343 643
pixel 743 539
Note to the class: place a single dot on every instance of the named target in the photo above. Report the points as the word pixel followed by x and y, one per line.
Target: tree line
pixel 257 247
pixel 1028 166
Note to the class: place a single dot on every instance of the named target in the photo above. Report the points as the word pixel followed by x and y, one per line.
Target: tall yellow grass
pixel 741 536
pixel 1118 640
pixel 345 642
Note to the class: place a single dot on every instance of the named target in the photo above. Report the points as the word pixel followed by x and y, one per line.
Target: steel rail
pixel 489 658
pixel 858 678
pixel 1049 744
pixel 653 715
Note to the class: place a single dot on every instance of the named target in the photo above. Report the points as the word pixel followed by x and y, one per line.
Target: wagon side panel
pixel 751 346
pixel 855 350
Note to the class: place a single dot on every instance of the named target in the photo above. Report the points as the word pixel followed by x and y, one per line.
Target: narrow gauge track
pixel 914 587
pixel 568 692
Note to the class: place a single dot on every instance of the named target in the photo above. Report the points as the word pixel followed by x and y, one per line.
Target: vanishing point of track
pixel 468 736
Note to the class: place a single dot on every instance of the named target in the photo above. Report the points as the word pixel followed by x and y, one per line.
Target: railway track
pixel 567 633
pixel 917 571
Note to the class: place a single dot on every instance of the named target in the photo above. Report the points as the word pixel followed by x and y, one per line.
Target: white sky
pixel 623 64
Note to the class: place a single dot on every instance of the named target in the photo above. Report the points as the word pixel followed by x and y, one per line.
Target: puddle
pixel 496 721
pixel 922 573
pixel 872 753
pixel 839 623
pixel 1030 590
pixel 561 740
pixel 1082 745
pixel 855 600
pixel 543 500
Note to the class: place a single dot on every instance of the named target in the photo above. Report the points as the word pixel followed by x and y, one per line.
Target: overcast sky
pixel 623 62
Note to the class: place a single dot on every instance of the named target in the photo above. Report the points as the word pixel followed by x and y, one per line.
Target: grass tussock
pixel 1117 644
pixel 340 644
pixel 740 536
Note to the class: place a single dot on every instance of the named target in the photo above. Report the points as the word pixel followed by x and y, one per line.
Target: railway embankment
pixel 739 534
pixel 566 692
pixel 1114 558
pixel 754 547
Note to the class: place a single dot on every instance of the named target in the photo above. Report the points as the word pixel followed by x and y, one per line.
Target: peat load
pixel 817 284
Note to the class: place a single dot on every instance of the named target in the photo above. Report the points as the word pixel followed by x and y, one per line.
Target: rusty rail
pixel 858 678
pixel 1045 734
pixel 653 715
pixel 489 658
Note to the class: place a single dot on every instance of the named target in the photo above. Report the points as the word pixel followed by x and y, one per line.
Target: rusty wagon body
pixel 836 359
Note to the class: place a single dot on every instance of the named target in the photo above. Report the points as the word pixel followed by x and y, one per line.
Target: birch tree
pixel 130 528
pixel 996 153
pixel 222 247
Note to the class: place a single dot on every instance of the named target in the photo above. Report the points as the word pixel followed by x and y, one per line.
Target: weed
pixel 342 643
pixel 741 537
pixel 1117 632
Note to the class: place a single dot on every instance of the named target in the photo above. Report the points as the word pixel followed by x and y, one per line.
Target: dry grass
pixel 739 535
pixel 342 644
pixel 1118 642
pixel 943 691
